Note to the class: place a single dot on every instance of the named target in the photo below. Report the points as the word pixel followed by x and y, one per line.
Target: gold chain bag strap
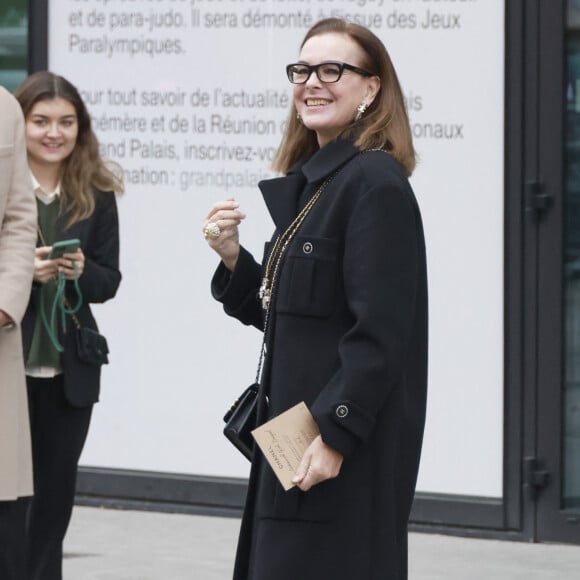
pixel 241 418
pixel 92 347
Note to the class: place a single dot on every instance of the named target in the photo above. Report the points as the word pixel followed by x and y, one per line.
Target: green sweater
pixel 42 350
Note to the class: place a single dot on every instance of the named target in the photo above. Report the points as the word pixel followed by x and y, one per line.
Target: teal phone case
pixel 63 247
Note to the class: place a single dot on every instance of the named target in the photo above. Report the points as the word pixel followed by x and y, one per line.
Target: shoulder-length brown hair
pixel 84 171
pixel 385 124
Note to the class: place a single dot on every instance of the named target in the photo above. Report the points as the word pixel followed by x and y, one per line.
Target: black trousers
pixel 13 539
pixel 58 432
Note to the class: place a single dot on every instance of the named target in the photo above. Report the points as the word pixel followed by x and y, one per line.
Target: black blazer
pixel 349 337
pixel 99 236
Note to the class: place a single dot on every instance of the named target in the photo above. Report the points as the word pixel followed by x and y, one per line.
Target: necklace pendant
pixel 264 294
pixel 266 300
pixel 263 287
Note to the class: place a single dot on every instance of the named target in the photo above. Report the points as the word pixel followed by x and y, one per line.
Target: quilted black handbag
pixel 241 420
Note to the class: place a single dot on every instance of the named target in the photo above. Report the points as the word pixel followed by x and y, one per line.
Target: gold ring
pixel 212 231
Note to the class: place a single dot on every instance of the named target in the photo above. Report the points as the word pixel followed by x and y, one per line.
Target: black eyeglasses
pixel 327 72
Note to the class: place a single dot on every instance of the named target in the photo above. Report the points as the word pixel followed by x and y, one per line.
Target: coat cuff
pixel 344 426
pixel 233 288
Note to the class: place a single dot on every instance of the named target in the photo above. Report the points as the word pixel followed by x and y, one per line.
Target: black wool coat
pixel 99 236
pixel 348 337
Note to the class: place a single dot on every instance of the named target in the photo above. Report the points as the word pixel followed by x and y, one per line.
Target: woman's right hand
pixel 220 229
pixel 44 270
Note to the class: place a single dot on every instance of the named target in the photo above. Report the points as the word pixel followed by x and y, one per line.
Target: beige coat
pixel 17 241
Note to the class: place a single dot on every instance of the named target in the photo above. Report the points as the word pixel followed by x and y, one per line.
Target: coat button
pixel 307 248
pixel 342 411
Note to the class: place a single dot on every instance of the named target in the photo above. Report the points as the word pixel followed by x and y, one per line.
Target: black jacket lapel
pixel 281 197
pixel 281 194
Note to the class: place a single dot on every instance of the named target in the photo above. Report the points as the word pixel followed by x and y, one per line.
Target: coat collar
pixel 281 193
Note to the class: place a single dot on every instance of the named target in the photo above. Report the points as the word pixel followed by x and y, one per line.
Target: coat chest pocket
pixel 308 280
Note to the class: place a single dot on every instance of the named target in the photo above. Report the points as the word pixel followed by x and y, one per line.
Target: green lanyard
pixel 59 304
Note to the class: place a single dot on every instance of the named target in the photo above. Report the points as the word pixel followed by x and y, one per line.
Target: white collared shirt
pixel 45 197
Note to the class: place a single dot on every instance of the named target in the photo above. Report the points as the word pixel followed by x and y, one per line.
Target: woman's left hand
pixel 320 462
pixel 72 265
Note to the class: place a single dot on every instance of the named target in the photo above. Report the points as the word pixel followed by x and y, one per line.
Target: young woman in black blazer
pixel 347 326
pixel 76 200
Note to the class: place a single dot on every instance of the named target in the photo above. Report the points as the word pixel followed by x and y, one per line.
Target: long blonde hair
pixel 385 124
pixel 84 172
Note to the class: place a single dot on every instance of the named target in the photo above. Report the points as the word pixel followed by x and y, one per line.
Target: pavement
pixel 108 544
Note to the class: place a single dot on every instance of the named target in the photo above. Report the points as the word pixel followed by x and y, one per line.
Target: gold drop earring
pixel 360 111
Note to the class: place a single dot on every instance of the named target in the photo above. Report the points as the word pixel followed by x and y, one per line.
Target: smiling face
pixel 328 108
pixel 51 132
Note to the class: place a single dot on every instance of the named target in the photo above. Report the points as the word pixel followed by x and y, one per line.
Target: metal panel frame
pixel 552 523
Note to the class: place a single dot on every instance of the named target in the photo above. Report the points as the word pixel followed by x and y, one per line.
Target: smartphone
pixel 63 247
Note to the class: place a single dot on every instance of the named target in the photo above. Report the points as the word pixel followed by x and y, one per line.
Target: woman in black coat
pixel 347 327
pixel 75 200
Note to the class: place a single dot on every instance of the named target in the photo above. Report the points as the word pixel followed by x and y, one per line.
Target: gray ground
pixel 107 544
